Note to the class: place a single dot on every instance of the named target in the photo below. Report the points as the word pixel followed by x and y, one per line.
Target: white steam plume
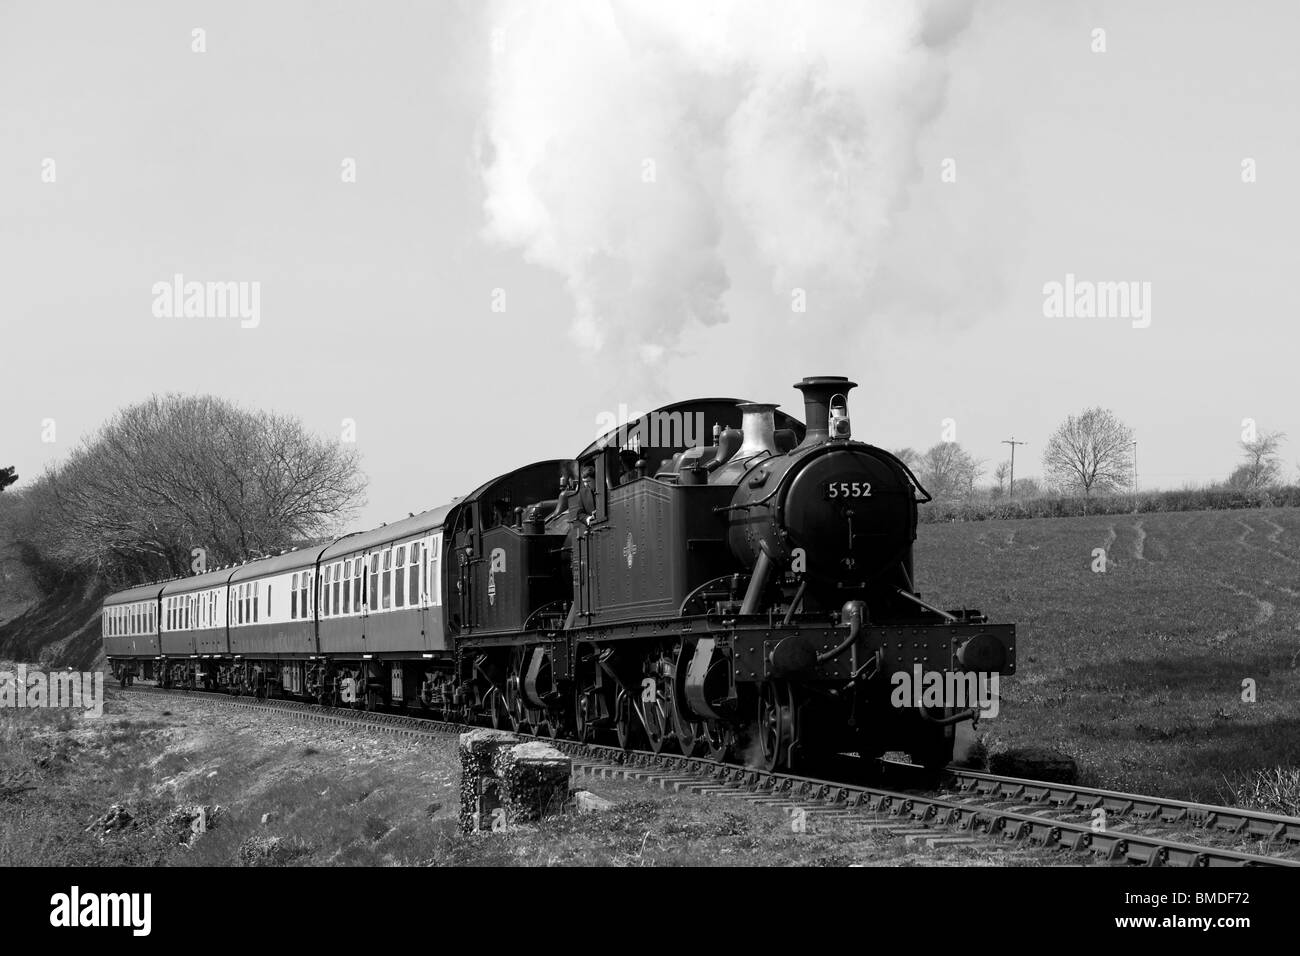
pixel 622 139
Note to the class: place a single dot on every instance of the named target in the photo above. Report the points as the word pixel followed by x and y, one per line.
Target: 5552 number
pixel 848 489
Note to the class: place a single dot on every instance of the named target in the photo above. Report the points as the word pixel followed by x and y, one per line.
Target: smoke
pixel 623 142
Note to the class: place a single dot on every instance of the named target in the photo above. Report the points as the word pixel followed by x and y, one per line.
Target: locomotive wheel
pixel 657 728
pixel 690 733
pixel 558 722
pixel 718 738
pixel 584 728
pixel 627 725
pixel 498 713
pixel 776 716
pixel 514 697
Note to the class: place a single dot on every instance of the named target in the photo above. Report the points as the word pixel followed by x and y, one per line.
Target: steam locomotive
pixel 749 598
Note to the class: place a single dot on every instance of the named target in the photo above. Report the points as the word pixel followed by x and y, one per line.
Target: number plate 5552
pixel 848 489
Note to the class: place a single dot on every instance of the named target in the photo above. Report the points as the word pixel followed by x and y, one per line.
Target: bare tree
pixel 948 472
pixel 1263 464
pixel 910 456
pixel 1089 452
pixel 1001 473
pixel 176 473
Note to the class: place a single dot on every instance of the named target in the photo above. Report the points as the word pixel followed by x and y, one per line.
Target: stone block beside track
pixel 506 780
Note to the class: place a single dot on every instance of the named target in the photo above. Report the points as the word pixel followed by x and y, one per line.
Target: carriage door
pixel 466 557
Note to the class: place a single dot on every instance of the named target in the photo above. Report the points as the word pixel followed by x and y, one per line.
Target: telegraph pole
pixel 1011 492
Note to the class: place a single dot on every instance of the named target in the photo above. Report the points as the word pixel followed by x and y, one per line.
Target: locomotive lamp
pixel 840 427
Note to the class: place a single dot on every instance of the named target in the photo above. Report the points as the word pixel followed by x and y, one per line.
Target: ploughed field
pixel 1137 672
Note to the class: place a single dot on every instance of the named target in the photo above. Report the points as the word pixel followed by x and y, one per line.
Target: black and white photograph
pixel 648 435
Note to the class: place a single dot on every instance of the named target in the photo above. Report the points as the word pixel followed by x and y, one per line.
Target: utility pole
pixel 1013 443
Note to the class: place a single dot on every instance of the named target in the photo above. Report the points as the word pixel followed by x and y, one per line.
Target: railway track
pixel 971 806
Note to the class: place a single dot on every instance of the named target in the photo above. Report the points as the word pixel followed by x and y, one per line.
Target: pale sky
pixel 377 295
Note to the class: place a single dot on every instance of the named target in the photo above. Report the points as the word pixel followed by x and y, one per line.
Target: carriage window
pixel 413 575
pixel 399 572
pixel 373 599
pixel 239 605
pixel 326 607
pixel 359 572
pixel 347 586
pixel 304 599
pixel 256 594
pixel 388 578
pixel 338 588
pixel 293 598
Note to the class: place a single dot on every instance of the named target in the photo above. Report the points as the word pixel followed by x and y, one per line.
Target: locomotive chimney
pixel 759 429
pixel 818 391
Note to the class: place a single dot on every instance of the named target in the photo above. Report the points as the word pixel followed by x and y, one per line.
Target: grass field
pixel 293 792
pixel 1137 671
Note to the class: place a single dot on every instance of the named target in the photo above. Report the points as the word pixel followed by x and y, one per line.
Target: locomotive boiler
pixel 715 576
